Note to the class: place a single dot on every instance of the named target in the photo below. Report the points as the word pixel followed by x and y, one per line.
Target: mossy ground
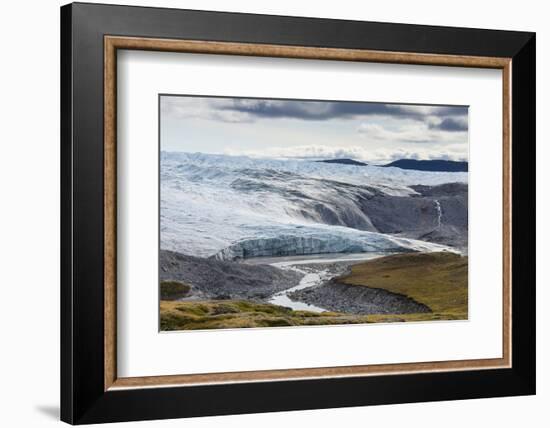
pixel 214 314
pixel 172 290
pixel 438 280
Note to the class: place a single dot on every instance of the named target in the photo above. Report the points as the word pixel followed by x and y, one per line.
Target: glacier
pixel 235 207
pixel 314 240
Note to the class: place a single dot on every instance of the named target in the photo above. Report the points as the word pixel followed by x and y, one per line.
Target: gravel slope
pixel 214 279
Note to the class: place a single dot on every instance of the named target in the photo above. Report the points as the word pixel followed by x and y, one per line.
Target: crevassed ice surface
pixel 235 206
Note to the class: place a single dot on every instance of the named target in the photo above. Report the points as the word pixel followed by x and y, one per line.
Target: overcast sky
pixel 371 132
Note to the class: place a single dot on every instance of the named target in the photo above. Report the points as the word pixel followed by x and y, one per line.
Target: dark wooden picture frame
pixel 90 389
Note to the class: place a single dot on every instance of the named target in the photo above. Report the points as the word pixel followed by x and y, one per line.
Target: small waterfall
pixel 439 214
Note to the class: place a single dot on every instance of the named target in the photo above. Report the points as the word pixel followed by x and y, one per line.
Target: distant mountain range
pixel 430 165
pixel 436 165
pixel 344 161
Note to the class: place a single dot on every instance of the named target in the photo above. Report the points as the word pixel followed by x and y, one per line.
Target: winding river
pixel 312 277
pixel 309 280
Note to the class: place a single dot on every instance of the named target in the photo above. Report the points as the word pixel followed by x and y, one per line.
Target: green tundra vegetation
pixel 438 280
pixel 173 290
pixel 212 314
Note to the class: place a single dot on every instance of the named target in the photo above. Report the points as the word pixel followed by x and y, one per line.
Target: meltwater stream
pixel 438 208
pixel 310 278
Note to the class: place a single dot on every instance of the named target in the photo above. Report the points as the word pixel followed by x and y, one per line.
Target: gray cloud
pixel 325 110
pixel 451 124
pixel 292 128
pixel 445 118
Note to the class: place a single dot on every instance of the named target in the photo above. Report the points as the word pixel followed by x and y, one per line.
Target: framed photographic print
pixel 265 213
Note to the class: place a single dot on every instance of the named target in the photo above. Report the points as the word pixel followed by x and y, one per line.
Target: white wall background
pixel 29 213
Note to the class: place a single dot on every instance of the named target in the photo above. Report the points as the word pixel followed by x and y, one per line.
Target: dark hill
pixel 343 161
pixel 430 165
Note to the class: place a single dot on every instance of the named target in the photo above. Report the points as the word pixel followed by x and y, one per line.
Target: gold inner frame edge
pixel 113 43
